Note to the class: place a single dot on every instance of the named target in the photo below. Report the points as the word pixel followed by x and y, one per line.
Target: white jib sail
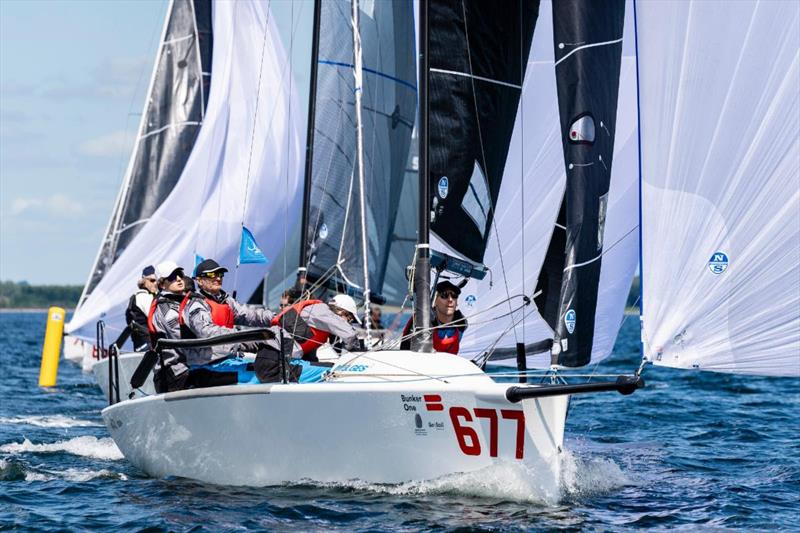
pixel 527 207
pixel 720 104
pixel 245 168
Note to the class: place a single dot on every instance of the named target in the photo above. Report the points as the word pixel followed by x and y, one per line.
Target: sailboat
pixel 717 223
pixel 173 114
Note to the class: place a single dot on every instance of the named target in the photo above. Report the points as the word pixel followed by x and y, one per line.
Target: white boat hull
pixel 364 425
pixel 128 362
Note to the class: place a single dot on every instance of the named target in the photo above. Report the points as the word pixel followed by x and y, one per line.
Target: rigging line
pixel 288 145
pixel 522 146
pixel 252 143
pixel 483 158
pixel 605 250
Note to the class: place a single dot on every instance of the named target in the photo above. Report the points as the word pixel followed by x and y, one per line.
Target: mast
pixel 359 78
pixel 312 108
pixel 421 341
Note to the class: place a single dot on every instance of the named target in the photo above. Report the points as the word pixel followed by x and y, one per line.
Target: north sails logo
pixel 443 187
pixel 718 263
pixel 470 301
pixel 323 231
pixel 569 320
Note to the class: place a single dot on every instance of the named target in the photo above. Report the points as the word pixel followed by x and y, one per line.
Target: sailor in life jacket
pixel 139 307
pixel 312 323
pixel 447 322
pixel 210 312
pixel 163 322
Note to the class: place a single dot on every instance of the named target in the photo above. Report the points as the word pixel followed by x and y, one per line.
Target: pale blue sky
pixel 72 80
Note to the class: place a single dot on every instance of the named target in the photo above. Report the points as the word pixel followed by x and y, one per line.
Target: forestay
pixel 388 106
pixel 171 120
pixel 244 170
pixel 720 92
pixel 523 218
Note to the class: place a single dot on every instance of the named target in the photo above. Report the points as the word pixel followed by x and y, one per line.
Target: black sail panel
pixel 388 111
pixel 172 118
pixel 587 38
pixel 478 54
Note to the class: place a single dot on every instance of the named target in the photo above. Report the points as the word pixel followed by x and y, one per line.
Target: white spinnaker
pixel 238 154
pixel 720 104
pixel 531 193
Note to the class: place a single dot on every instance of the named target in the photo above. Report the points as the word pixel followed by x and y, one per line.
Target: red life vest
pixel 307 337
pixel 221 313
pixel 445 338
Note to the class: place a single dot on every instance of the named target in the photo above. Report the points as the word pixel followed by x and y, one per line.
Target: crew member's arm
pixel 321 317
pixel 249 315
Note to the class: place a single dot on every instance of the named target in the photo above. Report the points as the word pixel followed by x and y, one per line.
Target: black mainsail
pixel 171 120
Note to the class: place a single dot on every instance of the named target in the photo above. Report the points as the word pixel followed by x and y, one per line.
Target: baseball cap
pixel 207 266
pixel 165 268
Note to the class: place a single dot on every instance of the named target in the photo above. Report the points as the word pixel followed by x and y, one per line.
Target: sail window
pixel 476 200
pixel 582 130
pixel 601 220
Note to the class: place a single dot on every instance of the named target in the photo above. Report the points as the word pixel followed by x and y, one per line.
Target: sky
pixel 73 77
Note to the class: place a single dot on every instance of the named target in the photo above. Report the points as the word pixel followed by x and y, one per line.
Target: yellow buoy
pixel 52 347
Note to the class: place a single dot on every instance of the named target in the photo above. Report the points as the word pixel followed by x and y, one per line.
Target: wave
pixel 55 421
pixel 85 446
pixel 15 470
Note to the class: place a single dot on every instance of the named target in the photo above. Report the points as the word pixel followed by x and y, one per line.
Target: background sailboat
pixel 242 173
pixel 173 114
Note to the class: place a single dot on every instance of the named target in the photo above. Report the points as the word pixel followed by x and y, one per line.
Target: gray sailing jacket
pixel 197 317
pixel 166 323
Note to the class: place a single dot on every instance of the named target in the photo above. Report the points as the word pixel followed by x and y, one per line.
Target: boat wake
pixel 85 446
pixel 585 476
pixel 55 421
pixel 507 481
pixel 15 470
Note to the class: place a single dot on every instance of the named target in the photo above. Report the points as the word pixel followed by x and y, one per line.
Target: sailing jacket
pixel 163 322
pixel 312 323
pixel 446 337
pixel 136 318
pixel 203 315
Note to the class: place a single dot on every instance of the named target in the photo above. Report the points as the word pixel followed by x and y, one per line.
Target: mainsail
pixel 720 127
pixel 173 113
pixel 504 323
pixel 244 171
pixel 389 102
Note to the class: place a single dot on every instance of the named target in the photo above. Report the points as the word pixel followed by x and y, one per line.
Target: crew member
pixel 139 307
pixel 171 372
pixel 313 323
pixel 448 323
pixel 210 312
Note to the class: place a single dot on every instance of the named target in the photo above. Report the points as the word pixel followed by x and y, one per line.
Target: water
pixel 692 450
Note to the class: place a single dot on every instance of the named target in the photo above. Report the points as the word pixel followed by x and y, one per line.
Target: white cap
pixel 165 268
pixel 343 301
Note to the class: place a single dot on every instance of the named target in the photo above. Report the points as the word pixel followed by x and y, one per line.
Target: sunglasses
pixel 449 294
pixel 175 276
pixel 213 275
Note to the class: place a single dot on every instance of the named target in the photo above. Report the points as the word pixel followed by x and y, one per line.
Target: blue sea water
pixel 692 451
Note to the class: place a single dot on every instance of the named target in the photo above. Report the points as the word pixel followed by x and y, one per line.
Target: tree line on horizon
pixel 21 295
